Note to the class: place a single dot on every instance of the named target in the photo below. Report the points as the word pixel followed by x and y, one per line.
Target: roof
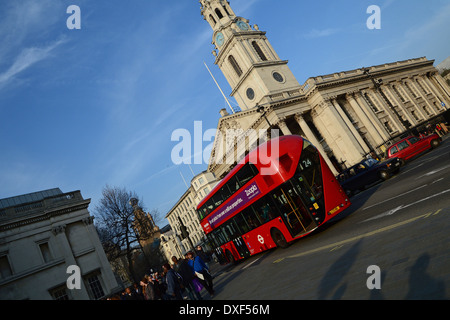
pixel 29 197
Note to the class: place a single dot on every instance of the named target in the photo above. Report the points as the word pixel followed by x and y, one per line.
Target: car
pixel 412 146
pixel 367 172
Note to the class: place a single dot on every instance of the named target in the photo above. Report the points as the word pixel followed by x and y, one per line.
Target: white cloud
pixel 27 58
pixel 313 34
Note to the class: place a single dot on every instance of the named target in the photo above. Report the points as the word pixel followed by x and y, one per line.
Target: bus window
pixel 233 185
pixel 264 210
pixel 230 231
pixel 246 173
pixel 217 200
pixel 310 170
pixel 251 218
pixel 225 192
pixel 219 236
pixel 241 223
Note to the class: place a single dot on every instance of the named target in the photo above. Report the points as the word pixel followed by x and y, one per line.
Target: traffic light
pixel 184 232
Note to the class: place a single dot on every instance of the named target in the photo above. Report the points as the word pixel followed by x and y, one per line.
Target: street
pixel 400 226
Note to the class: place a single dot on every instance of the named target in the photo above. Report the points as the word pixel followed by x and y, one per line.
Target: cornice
pixel 46 215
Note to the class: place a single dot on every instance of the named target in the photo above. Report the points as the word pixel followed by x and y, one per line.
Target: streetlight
pixel 261 110
pixel 377 83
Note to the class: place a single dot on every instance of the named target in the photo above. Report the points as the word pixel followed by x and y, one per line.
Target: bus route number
pixel 306 163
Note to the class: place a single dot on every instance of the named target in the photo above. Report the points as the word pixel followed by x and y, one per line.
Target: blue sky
pixel 80 109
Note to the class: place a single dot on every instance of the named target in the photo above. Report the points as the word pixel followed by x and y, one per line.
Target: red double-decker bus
pixel 270 199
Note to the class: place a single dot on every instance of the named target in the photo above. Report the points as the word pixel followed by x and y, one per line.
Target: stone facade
pixel 346 115
pixel 42 236
pixel 185 210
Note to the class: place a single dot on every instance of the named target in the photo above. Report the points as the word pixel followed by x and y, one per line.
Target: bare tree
pixel 115 219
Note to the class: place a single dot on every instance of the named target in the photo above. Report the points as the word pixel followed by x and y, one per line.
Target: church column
pixel 311 137
pixel 69 258
pixel 337 135
pixel 362 145
pixel 283 127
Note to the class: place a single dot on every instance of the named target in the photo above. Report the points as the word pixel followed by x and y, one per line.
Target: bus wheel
pixel 278 238
pixel 230 257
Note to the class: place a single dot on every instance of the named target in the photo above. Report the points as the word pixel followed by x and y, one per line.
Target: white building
pixel 185 210
pixel 41 235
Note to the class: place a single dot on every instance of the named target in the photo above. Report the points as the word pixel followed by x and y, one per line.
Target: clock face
pixel 242 25
pixel 220 39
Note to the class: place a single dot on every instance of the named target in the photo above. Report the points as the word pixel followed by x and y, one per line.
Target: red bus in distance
pixel 270 199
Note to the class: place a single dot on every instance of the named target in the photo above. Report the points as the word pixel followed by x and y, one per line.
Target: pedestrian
pixel 173 288
pixel 201 272
pixel 148 288
pixel 137 292
pixel 128 295
pixel 181 266
pixel 203 255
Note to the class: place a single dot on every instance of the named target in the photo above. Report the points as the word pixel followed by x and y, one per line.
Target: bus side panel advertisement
pixel 241 199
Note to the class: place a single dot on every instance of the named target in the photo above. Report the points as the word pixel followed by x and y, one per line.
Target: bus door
pixel 293 210
pixel 241 247
pixel 232 234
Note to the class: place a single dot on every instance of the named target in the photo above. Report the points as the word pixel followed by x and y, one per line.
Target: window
pixel 94 286
pixel 259 51
pixel 402 145
pixel 45 251
pixel 235 65
pixel 394 150
pixel 60 293
pixel 219 13
pixel 246 173
pixel 212 19
pixel 413 140
pixel 5 267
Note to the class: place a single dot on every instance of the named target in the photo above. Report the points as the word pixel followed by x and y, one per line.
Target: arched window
pixel 212 19
pixel 235 65
pixel 259 51
pixel 219 13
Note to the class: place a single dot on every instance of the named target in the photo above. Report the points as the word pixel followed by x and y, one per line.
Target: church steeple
pixel 247 59
pixel 217 13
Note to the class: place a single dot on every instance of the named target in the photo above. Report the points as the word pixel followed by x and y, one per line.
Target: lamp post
pixel 261 110
pixel 377 84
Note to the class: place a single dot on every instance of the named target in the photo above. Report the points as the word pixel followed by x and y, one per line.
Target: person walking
pixel 173 291
pixel 182 267
pixel 202 273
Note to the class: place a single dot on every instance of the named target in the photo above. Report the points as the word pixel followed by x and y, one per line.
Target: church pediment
pixel 231 130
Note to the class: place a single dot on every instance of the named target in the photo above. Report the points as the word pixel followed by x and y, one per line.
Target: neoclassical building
pixel 346 115
pixel 184 213
pixel 41 235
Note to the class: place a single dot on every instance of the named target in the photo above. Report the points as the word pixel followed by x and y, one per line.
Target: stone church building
pixel 346 115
